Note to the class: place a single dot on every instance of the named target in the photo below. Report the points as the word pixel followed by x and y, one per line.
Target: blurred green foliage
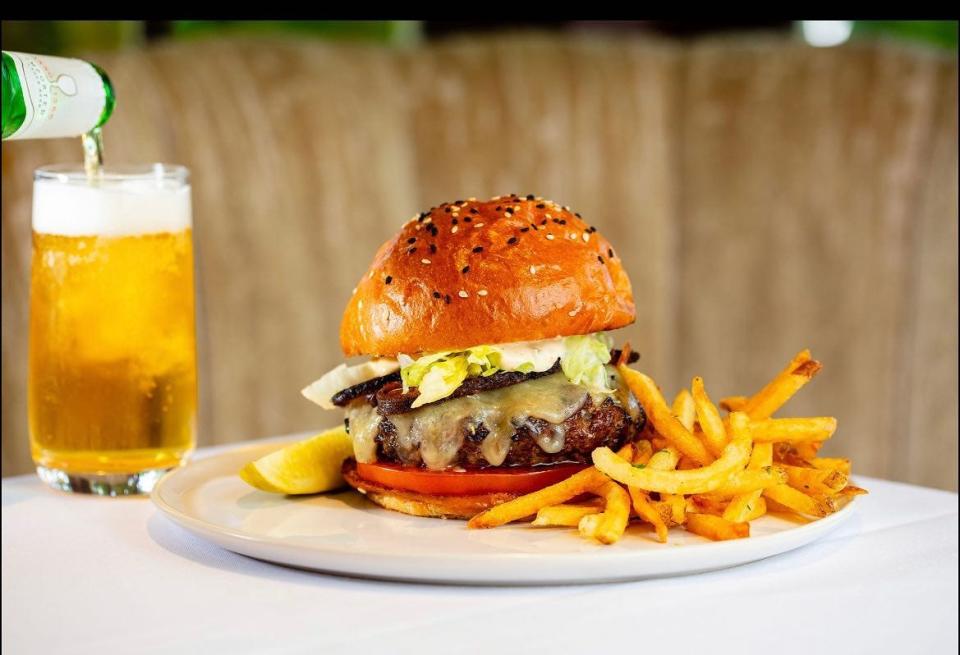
pixel 940 33
pixel 73 37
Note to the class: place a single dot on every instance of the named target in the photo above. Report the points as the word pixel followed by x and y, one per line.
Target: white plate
pixel 346 534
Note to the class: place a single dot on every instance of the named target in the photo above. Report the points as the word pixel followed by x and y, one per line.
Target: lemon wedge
pixel 310 466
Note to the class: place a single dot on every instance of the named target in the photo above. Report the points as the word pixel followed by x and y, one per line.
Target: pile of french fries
pixel 696 469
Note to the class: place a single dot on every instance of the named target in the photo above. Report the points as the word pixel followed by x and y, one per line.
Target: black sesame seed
pixel 436 294
pixel 543 222
pixel 389 279
pixel 577 214
pixel 541 206
pixel 474 210
pixel 563 221
pixel 600 258
pixel 465 269
pixel 530 196
pixel 467 219
pixel 610 252
pixel 534 227
pixel 412 240
pixel 412 250
pixel 446 210
pixel 446 299
pixel 592 229
pixel 557 221
pixel 433 229
pixel 524 229
pixel 459 202
pixel 433 248
pixel 512 240
pixel 454 222
pixel 478 249
pixel 499 207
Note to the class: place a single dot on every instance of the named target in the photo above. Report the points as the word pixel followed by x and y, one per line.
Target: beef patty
pixel 593 426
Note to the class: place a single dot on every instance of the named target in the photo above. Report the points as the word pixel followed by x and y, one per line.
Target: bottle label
pixel 63 97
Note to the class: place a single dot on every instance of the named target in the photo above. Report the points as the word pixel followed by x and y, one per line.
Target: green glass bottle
pixel 50 97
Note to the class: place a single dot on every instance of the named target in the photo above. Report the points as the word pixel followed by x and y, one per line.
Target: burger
pixel 489 371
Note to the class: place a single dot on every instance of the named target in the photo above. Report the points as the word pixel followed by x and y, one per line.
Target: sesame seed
pixel 467 219
pixel 530 197
pixel 424 261
pixel 543 222
pixel 524 229
pixel 577 214
pixel 586 237
pixel 548 216
pixel 436 294
pixel 512 240
pixel 429 219
pixel 412 250
pixel 610 252
pixel 474 210
pixel 433 248
pixel 453 230
pixel 354 291
pixel 478 225
pixel 447 210
pixel 516 208
pixel 459 202
pixel 591 229
pixel 572 313
pixel 412 240
pixel 454 222
pixel 462 293
pixel 465 269
pixel 478 249
pixel 550 236
pixel 471 199
pixel 499 207
pixel 417 227
pixel 600 258
pixel 541 206
pixel 482 292
pixel 388 279
pixel 446 299
pixel 370 275
pixel 360 304
pixel 533 270
pixel 572 236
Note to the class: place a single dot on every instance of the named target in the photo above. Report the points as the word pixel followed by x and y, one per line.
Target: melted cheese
pixel 434 433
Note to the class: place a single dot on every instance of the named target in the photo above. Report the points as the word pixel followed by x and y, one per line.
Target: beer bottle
pixel 50 97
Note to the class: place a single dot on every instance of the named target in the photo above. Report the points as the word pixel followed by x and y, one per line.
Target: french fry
pixel 662 417
pixel 800 502
pixel 579 483
pixel 831 464
pixel 759 509
pixel 716 528
pixel 807 450
pixel 734 403
pixel 684 409
pixel 715 436
pixel 608 526
pixel 664 459
pixel 801 357
pixel 642 452
pixel 773 396
pixel 705 504
pixel 743 504
pixel 563 515
pixel 815 481
pixel 777 430
pixel 843 497
pixel 702 480
pixel 745 481
pixel 646 511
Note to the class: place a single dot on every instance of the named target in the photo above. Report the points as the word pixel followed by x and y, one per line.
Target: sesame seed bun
pixel 485 272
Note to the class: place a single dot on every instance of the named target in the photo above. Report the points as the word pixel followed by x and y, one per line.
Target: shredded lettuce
pixel 437 375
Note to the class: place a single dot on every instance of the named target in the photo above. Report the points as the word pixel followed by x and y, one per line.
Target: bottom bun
pixel 416 504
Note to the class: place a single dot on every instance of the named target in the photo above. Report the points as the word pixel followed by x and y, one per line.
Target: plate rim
pixel 820 526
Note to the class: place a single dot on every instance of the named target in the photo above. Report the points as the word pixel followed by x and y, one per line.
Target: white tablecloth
pixel 101 575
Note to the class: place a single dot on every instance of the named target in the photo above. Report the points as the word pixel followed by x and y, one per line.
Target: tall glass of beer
pixel 112 381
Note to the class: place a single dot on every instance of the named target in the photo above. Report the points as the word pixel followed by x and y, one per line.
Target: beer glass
pixel 112 381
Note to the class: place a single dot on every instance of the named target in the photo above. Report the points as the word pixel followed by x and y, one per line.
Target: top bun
pixel 470 272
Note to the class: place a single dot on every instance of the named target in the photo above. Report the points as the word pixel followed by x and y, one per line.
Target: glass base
pixel 102 484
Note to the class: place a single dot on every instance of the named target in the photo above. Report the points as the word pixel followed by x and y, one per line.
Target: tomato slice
pixel 519 480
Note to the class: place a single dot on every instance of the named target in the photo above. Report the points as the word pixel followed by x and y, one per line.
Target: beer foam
pixel 112 208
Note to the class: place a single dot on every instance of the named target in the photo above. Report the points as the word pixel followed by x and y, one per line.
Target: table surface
pixel 100 575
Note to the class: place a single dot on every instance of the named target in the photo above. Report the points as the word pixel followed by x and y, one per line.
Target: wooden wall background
pixel 765 197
